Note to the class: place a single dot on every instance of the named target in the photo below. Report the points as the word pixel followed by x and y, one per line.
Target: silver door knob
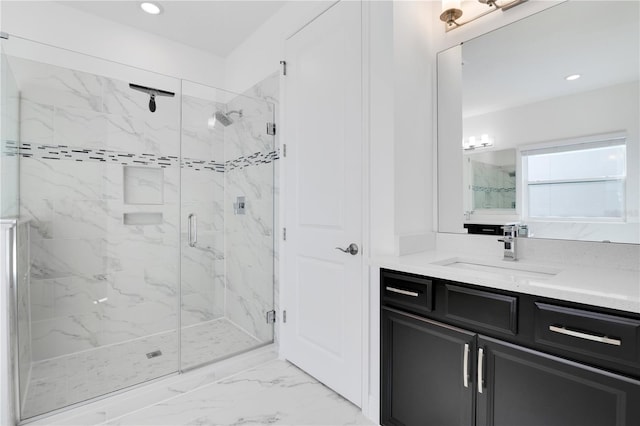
pixel 352 249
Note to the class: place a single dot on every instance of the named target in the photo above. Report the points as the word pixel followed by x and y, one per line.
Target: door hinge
pixel 284 234
pixel 284 149
pixel 284 316
pixel 271 128
pixel 271 317
pixel 284 67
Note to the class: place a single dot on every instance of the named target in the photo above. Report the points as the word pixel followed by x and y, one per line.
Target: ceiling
pixel 217 27
pixel 528 61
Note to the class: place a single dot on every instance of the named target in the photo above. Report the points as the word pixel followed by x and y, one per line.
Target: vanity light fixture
pixel 572 77
pixel 452 11
pixel 473 142
pixel 151 8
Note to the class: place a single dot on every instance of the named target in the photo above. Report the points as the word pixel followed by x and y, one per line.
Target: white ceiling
pixel 217 27
pixel 527 61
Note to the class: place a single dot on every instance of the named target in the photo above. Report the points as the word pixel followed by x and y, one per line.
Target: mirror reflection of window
pixel 576 180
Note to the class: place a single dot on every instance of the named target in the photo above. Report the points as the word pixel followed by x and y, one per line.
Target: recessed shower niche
pixel 143 185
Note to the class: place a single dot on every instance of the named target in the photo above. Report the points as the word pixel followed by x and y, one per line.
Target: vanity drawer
pixel 480 308
pixel 412 292
pixel 593 334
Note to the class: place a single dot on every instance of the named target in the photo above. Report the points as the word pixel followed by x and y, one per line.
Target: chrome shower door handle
pixel 9 231
pixel 192 229
pixel 352 249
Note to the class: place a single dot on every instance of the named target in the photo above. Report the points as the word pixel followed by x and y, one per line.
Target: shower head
pixel 223 118
pixel 152 92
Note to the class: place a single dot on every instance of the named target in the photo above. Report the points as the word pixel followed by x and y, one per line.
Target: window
pixel 577 180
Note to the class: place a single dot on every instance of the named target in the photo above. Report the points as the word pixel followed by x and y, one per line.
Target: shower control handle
pixel 352 249
pixel 192 229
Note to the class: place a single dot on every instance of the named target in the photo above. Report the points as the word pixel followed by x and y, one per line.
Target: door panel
pixel 557 392
pixel 320 286
pixel 323 288
pixel 423 372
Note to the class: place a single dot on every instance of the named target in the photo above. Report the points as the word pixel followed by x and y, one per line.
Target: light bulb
pixel 151 8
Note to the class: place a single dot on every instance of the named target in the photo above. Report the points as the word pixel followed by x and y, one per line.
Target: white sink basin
pixel 504 268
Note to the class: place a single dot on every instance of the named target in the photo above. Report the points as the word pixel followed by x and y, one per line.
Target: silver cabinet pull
pixel 400 291
pixel 465 366
pixel 352 249
pixel 480 361
pixel 586 336
pixel 192 229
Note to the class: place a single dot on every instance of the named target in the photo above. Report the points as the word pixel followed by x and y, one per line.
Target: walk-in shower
pixel 133 262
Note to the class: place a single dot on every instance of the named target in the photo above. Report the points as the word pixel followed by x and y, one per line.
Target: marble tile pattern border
pixel 70 153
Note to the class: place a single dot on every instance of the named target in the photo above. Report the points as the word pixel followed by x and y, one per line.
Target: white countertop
pixel 605 287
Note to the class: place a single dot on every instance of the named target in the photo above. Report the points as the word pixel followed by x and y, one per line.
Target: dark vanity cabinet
pixel 425 366
pixel 531 388
pixel 457 354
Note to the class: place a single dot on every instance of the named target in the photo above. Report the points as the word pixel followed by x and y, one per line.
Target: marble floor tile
pixel 274 393
pixel 212 340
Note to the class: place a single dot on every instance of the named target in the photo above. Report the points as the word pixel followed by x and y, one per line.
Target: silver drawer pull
pixel 465 367
pixel 586 336
pixel 405 292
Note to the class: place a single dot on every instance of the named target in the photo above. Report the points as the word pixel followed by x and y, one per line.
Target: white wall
pixel 62 26
pixel 413 133
pixel 381 128
pixel 260 54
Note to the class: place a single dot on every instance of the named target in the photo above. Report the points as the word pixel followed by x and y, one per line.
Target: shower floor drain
pixel 154 354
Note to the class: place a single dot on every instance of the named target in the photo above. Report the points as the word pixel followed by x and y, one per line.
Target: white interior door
pixel 322 291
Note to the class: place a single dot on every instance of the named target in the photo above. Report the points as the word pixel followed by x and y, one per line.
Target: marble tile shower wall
pixel 77 131
pixel 249 238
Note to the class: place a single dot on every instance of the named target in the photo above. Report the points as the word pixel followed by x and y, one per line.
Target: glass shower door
pixel 99 186
pixel 227 224
pixel 11 234
pixel 9 166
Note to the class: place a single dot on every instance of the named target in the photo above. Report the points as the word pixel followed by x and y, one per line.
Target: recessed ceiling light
pixel 572 77
pixel 151 8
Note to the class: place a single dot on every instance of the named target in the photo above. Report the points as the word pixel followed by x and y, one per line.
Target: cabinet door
pixel 423 372
pixel 523 387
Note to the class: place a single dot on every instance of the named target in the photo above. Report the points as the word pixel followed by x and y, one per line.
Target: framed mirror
pixel 538 123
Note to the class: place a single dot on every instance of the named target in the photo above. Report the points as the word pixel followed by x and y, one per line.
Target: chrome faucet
pixel 509 240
